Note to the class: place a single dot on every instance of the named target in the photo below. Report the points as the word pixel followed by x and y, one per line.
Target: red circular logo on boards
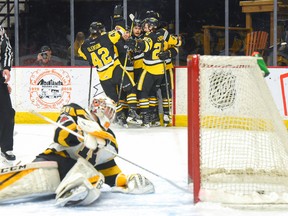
pixel 50 88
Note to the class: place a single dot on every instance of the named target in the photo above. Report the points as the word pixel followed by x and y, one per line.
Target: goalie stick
pixel 108 150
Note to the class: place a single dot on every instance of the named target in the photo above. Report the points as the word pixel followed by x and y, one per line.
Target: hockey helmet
pixel 104 108
pixel 137 22
pixel 97 28
pixel 152 14
pixel 151 22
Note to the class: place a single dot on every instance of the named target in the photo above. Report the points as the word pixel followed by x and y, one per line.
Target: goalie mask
pixel 105 110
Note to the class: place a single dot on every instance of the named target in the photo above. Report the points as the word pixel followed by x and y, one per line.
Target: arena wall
pixel 46 90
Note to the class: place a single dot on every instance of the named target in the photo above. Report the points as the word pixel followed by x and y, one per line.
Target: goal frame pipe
pixel 193 109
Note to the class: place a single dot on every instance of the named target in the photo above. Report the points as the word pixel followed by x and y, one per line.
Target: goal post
pixel 193 124
pixel 237 140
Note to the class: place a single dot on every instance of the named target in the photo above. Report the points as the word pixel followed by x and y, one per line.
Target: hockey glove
pixel 118 11
pixel 164 55
pixel 118 16
pixel 130 44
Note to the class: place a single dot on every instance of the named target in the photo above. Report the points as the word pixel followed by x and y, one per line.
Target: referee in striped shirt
pixel 7 112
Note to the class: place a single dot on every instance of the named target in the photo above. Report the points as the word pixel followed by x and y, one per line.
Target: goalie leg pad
pixel 79 192
pixel 28 180
pixel 81 185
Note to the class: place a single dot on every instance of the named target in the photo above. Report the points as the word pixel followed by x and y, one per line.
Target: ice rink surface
pixel 160 150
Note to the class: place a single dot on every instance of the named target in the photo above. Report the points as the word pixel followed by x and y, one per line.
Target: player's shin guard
pixel 167 107
pixel 154 111
pixel 145 112
pixel 120 116
pixel 132 100
pixel 28 180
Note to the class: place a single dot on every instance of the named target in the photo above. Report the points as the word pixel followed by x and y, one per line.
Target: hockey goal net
pixel 237 140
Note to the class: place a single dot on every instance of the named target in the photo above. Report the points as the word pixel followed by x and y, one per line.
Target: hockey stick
pixel 90 85
pixel 166 81
pixel 132 17
pixel 167 87
pixel 108 150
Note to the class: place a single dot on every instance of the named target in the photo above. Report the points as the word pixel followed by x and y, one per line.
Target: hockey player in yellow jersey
pixel 137 34
pixel 99 51
pixel 134 63
pixel 75 168
pixel 153 67
pixel 168 50
pixel 125 57
pixel 167 84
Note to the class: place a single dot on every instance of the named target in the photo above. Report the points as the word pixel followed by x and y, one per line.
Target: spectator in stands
pixel 44 58
pixel 79 40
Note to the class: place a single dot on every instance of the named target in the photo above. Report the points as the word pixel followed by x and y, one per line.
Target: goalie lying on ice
pixel 73 168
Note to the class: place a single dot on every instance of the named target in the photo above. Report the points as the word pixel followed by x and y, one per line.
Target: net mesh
pixel 243 140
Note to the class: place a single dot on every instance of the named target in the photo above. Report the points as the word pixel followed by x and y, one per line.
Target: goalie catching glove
pixel 94 136
pixel 135 184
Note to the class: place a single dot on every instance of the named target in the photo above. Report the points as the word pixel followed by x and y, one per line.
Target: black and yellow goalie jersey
pixel 68 118
pixel 68 145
